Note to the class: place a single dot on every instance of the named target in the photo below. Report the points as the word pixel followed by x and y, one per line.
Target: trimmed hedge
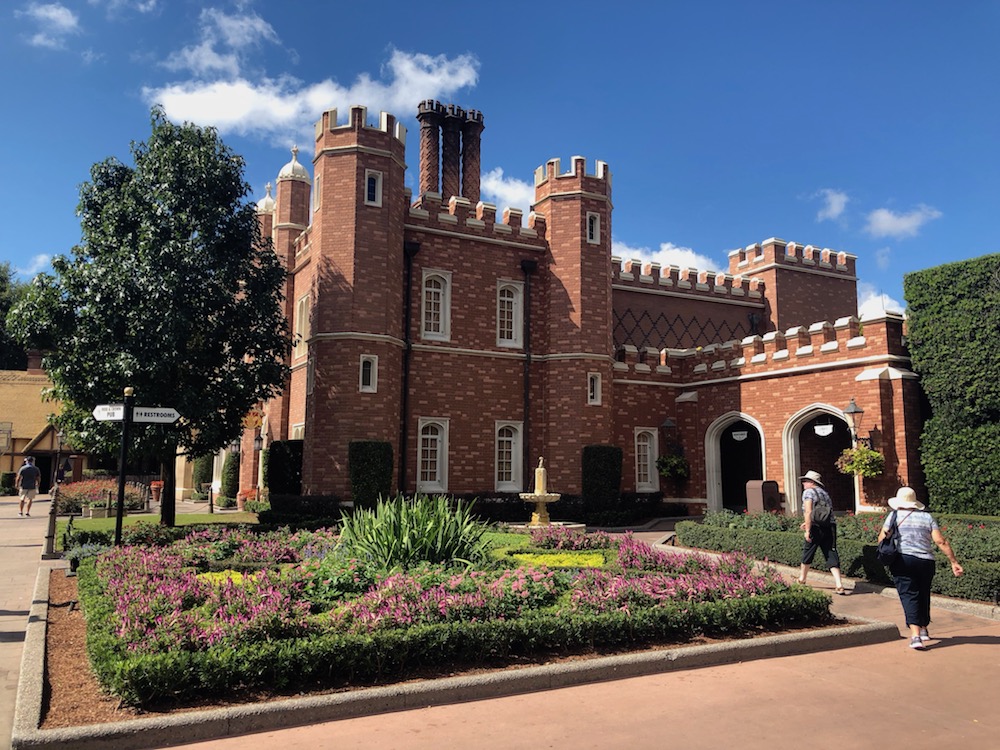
pixel 332 660
pixel 602 477
pixel 231 476
pixel 283 467
pixel 201 471
pixel 981 581
pixel 370 463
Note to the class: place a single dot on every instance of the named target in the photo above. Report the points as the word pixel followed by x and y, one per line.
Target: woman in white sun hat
pixel 913 572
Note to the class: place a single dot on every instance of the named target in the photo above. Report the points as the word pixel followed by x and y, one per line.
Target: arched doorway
pixel 734 456
pixel 813 441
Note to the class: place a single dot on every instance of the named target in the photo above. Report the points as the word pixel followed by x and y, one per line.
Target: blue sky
pixel 869 127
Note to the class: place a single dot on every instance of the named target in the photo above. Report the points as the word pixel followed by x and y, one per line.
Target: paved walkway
pixel 882 695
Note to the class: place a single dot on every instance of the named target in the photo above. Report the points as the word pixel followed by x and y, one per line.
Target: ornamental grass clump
pixel 559 537
pixel 404 533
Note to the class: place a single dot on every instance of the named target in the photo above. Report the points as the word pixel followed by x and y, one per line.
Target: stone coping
pixel 197 726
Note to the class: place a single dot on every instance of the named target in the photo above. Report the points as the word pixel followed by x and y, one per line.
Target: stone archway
pixel 734 454
pixel 812 440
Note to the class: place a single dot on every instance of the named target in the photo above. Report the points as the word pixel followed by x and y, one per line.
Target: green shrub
pixel 257 506
pixel 230 475
pixel 370 464
pixel 7 479
pixel 283 467
pixel 401 532
pixel 602 477
pixel 224 501
pixel 958 479
pixel 201 471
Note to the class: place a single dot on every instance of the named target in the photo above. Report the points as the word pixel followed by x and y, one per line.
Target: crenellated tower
pixel 351 273
pixel 576 322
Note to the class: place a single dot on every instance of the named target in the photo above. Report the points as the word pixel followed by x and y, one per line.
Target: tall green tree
pixel 12 354
pixel 173 292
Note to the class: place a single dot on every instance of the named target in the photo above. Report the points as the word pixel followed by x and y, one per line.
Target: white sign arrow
pixel 109 412
pixel 155 414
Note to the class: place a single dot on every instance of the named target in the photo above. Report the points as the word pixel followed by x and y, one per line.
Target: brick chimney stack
pixel 472 131
pixel 451 152
pixel 429 116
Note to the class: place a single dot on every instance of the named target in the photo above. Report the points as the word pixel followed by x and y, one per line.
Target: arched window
pixel 436 318
pixel 508 457
pixel 510 318
pixel 646 478
pixel 432 456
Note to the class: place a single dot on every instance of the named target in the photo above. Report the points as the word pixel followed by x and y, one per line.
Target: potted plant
pixel 861 460
pixel 156 489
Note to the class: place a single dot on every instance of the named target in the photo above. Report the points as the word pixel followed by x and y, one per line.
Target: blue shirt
pixel 915 529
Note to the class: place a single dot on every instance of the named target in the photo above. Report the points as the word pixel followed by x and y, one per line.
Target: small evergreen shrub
pixel 283 467
pixel 602 477
pixel 370 464
pixel 201 471
pixel 230 475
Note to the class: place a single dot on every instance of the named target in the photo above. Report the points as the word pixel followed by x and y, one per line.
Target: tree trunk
pixel 168 500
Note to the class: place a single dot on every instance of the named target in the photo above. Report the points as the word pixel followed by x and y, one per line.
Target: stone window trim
pixel 593 228
pixel 373 188
pixel 646 450
pixel 594 394
pixel 301 338
pixel 435 305
pixel 432 454
pixel 510 314
pixel 508 473
pixel 368 373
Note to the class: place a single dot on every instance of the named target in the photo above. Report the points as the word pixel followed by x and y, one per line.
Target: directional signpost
pixel 128 413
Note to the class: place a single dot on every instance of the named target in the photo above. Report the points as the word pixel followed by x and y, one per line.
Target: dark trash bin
pixel 763 495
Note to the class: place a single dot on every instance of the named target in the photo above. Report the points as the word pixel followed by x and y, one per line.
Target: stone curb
pixel 197 726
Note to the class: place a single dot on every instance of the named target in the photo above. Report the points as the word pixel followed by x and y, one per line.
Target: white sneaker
pixel 916 643
pixel 924 635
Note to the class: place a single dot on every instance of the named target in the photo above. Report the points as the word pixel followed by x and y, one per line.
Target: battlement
pixel 357 120
pixel 818 345
pixel 551 171
pixel 647 276
pixel 777 252
pixel 458 216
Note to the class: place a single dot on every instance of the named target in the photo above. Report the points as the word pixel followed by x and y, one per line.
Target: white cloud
pixel 873 303
pixel 834 202
pixel 37 264
pixel 142 6
pixel 669 254
pixel 283 106
pixel 506 191
pixel 885 223
pixel 882 258
pixel 233 33
pixel 55 23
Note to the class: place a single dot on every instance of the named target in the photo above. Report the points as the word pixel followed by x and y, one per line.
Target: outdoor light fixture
pixel 669 424
pixel 258 443
pixel 853 414
pixel 234 447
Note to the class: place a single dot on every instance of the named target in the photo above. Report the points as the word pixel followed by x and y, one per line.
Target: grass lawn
pixel 182 519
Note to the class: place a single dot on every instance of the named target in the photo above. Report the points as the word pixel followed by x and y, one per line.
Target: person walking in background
pixel 27 485
pixel 913 572
pixel 820 529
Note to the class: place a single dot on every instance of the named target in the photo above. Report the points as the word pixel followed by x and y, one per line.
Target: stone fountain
pixel 541 497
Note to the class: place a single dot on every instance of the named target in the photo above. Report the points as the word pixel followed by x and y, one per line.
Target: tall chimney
pixel 429 117
pixel 472 131
pixel 451 147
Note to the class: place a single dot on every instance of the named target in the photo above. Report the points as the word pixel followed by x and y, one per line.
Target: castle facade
pixel 475 342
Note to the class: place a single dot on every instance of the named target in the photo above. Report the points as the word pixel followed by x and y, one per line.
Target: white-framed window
pixel 435 320
pixel 510 313
pixel 594 388
pixel 301 325
pixel 310 375
pixel 368 374
pixel 508 457
pixel 432 455
pixel 594 228
pixel 298 431
pixel 373 188
pixel 646 478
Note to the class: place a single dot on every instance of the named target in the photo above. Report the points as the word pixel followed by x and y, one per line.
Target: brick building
pixel 474 342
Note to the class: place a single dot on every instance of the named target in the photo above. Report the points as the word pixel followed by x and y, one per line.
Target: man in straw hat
pixel 820 528
pixel 913 572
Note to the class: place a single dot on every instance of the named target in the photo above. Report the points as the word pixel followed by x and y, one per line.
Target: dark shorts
pixel 824 538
